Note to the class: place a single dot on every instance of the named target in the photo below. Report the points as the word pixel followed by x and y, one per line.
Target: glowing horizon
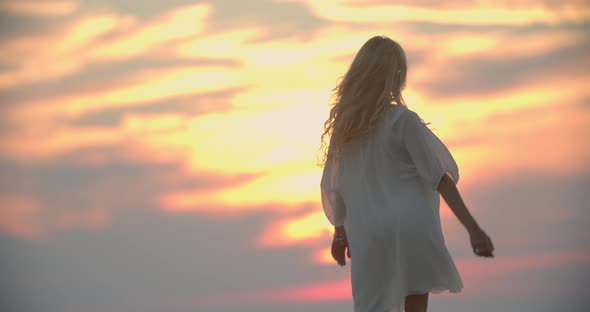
pixel 191 110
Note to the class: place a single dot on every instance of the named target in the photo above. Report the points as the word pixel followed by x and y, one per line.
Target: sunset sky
pixel 161 155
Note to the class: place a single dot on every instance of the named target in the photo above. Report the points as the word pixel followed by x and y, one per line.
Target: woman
pixel 383 172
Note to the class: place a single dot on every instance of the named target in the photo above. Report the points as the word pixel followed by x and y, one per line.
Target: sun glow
pixel 187 113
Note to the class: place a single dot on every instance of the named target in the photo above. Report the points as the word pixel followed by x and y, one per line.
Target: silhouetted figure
pixel 383 172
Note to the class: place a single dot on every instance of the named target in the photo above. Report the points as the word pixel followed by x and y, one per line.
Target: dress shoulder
pixel 395 114
pixel 429 154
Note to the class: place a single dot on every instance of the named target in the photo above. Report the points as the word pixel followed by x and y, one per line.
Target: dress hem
pixel 433 290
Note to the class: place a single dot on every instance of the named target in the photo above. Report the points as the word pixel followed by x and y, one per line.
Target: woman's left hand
pixel 339 247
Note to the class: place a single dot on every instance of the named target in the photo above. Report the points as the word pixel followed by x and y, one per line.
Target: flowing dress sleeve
pixel 332 202
pixel 429 154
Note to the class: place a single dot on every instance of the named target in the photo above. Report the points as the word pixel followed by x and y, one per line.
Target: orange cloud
pixel 53 8
pixel 323 256
pixel 30 148
pixel 517 143
pixel 305 229
pixel 280 189
pixel 274 125
pixel 494 44
pixel 355 11
pixel 59 54
pixel 179 23
pixel 42 116
pixel 81 42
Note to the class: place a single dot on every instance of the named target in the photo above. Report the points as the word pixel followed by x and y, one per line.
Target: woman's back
pixel 382 173
pixel 378 180
pixel 392 212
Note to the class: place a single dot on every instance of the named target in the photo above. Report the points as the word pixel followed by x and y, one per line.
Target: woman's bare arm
pixel 450 193
pixel 480 242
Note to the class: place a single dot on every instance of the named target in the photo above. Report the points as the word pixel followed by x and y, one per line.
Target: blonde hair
pixel 374 80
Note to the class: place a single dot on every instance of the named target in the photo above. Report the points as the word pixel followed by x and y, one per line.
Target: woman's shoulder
pixel 399 108
pixel 403 113
pixel 397 113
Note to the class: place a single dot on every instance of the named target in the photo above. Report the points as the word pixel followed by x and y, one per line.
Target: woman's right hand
pixel 481 243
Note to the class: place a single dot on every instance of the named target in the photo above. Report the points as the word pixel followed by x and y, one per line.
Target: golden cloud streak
pixel 66 55
pixel 135 90
pixel 81 43
pixel 180 23
pixel 343 11
pixel 275 123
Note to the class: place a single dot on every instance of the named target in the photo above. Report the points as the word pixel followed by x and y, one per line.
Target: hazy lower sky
pixel 161 155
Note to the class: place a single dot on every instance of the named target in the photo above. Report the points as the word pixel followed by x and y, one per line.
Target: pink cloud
pixel 338 290
pixel 27 218
pixel 480 277
pixel 326 291
pixel 487 276
pixel 18 217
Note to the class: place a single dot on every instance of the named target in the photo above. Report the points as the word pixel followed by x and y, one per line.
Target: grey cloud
pixel 287 19
pixel 417 3
pixel 281 19
pixel 545 210
pixel 469 3
pixel 467 76
pixel 12 26
pixel 143 10
pixel 437 28
pixel 189 105
pixel 96 77
pixel 64 186
pixel 149 258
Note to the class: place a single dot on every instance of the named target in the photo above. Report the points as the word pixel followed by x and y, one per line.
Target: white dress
pixel 384 191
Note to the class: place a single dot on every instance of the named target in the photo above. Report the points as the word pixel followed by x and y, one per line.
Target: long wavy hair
pixel 374 80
